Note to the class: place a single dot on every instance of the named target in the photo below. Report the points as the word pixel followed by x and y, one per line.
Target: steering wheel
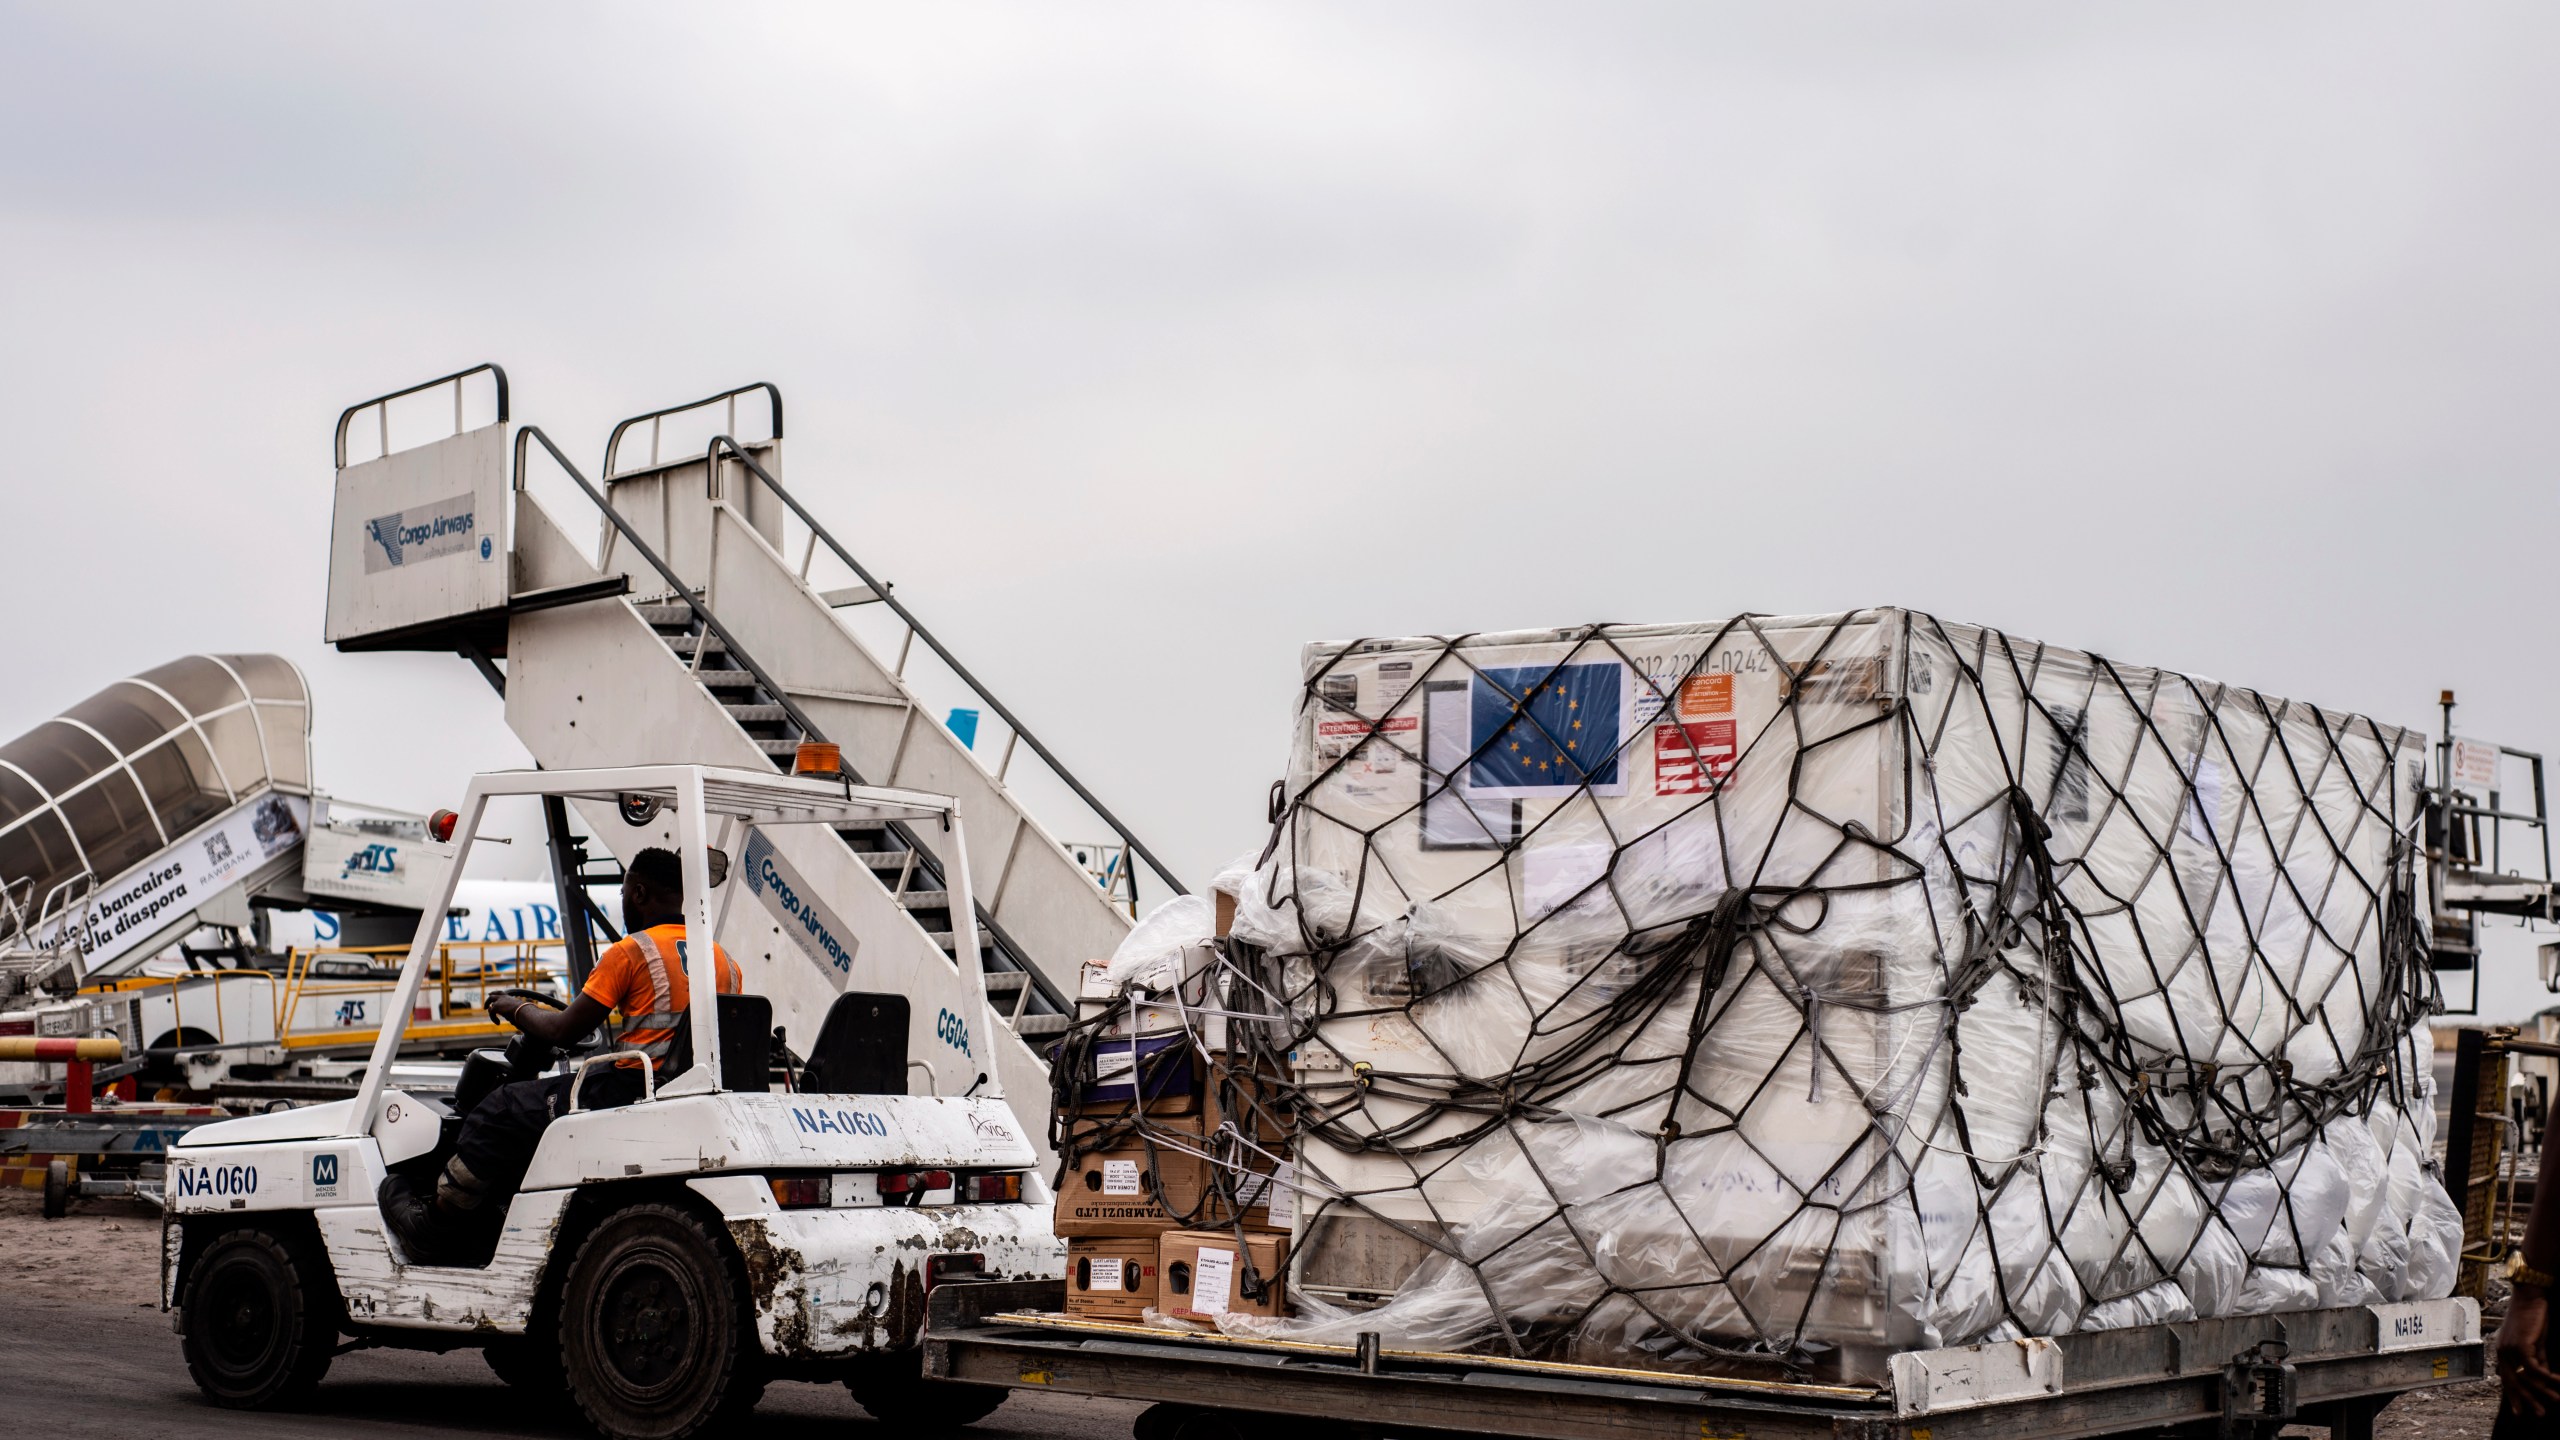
pixel 548 1002
pixel 528 1057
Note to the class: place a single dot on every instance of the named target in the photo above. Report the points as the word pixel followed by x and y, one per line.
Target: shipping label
pixel 1120 1177
pixel 1339 735
pixel 1213 1279
pixel 1692 757
pixel 1705 695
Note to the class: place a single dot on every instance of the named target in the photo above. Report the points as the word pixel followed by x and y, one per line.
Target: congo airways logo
pixel 442 527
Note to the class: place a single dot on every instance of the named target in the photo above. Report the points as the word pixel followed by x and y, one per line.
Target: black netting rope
pixel 2025 930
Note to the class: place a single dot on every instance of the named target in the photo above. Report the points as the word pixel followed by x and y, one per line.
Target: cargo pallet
pixel 2241 1375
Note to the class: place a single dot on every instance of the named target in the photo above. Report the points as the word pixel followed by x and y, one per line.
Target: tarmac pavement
pixel 85 1351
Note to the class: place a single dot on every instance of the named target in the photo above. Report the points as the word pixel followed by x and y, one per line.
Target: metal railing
pixel 464 973
pixel 739 655
pixel 656 420
pixel 916 630
pixel 381 404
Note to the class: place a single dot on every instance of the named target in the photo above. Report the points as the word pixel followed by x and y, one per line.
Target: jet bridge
pixel 166 801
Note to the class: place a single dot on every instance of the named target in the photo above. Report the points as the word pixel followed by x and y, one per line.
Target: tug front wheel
pixel 651 1327
pixel 260 1321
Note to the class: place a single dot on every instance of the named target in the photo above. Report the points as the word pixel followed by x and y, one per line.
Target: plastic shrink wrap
pixel 1785 992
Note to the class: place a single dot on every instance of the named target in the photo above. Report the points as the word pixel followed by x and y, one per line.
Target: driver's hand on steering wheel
pixel 507 1007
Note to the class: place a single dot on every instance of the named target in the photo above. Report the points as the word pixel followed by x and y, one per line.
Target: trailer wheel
pixel 650 1326
pixel 258 1325
pixel 896 1393
pixel 57 1189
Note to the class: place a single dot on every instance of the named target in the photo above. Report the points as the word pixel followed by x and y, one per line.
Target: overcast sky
pixel 1141 344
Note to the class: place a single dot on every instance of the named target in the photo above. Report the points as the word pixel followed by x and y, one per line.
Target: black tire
pixel 526 1364
pixel 160 1070
pixel 898 1394
pixel 57 1189
pixel 651 1327
pixel 260 1321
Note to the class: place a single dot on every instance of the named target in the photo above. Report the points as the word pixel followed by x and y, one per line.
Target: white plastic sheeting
pixel 1807 989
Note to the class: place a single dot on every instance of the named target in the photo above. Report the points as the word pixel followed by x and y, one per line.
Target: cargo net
pixel 1767 998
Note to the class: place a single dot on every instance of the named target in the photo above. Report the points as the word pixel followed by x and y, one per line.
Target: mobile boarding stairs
pixel 687 631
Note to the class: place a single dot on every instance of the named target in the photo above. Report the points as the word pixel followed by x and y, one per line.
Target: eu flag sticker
pixel 1547 730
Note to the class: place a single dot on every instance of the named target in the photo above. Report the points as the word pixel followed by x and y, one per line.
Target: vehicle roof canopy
pixel 762 799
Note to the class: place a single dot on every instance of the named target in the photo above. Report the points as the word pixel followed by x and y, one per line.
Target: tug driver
pixel 642 976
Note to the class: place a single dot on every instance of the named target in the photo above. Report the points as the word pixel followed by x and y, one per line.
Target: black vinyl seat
pixel 862 1047
pixel 746 1043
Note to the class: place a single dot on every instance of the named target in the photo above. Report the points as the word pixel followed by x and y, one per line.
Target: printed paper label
pixel 1693 757
pixel 1704 695
pixel 1554 876
pixel 1213 1278
pixel 1395 678
pixel 1339 735
pixel 1120 1177
pixel 1106 1275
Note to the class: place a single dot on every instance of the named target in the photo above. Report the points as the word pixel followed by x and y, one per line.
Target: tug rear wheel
pixel 651 1327
pixel 259 1323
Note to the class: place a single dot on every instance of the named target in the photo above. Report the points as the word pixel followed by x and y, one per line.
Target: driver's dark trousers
pixel 500 1134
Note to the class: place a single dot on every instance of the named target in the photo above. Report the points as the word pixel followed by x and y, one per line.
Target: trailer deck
pixel 2323 1367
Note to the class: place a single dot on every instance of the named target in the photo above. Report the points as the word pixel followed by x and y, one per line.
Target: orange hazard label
pixel 1702 695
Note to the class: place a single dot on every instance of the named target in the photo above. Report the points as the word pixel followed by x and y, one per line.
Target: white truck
pixel 663 1259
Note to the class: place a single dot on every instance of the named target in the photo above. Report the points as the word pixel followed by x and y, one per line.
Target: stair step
pixel 926 900
pixel 1006 982
pixel 943 939
pixel 778 749
pixel 709 644
pixel 884 859
pixel 1039 1027
pixel 666 614
pixel 756 714
pixel 851 595
pixel 726 679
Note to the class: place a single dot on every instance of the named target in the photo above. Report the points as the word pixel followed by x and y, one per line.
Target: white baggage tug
pixel 663 1259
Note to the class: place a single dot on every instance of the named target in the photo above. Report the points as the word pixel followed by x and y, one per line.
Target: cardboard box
pixel 1226 912
pixel 1253 1103
pixel 1112 1278
pixel 1267 1205
pixel 1166 1069
pixel 1118 1184
pixel 1202 1274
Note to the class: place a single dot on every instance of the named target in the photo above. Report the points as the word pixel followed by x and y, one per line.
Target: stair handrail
pixel 455 380
pixel 738 652
pixel 666 572
pixel 1057 767
pixel 613 442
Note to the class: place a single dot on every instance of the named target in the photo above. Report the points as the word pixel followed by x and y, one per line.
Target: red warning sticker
pixel 1693 757
pixel 1339 737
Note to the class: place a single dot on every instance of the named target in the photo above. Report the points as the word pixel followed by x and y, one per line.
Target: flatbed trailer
pixel 2241 1375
